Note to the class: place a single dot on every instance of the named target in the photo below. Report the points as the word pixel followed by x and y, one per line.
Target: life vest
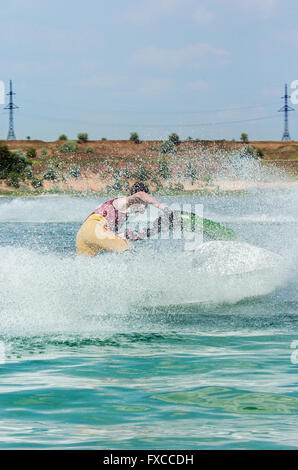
pixel 114 218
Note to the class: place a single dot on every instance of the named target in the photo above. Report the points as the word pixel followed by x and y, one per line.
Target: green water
pixel 87 362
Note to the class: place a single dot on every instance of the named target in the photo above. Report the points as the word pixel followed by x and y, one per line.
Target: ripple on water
pixel 233 401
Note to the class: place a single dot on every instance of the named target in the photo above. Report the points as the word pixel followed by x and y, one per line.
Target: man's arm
pixel 147 198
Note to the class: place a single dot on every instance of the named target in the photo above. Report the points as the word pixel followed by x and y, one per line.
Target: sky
pixel 209 69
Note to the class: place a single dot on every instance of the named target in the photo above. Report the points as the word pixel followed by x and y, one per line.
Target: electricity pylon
pixel 11 106
pixel 286 108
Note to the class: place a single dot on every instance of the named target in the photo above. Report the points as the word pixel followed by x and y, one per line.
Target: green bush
pixel 31 152
pixel 62 137
pixel 134 136
pixel 104 138
pixel 89 150
pixel 13 180
pixel 5 161
pixel 126 173
pixel 178 187
pixel 167 147
pixel 75 171
pixel 158 184
pixel 174 138
pixel 164 170
pixel 82 137
pixel 68 147
pixel 43 151
pixel 36 183
pixel 117 185
pixel 126 185
pixel 191 172
pixel 19 163
pixel 248 151
pixel 50 174
pixel 12 162
pixel 260 153
pixel 143 173
pixel 28 173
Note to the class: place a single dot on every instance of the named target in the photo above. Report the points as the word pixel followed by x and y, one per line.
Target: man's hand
pixel 131 235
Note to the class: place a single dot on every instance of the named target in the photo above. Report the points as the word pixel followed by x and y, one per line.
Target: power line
pixel 113 124
pixel 171 111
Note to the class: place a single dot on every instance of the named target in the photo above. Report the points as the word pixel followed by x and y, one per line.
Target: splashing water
pixel 112 351
pixel 46 293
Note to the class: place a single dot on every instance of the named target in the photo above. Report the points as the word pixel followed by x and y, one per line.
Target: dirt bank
pixel 113 164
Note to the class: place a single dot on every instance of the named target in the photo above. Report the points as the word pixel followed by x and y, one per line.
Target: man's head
pixel 138 205
pixel 139 187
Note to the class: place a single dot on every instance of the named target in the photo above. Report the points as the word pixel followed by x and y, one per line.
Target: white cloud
pixel 147 87
pixel 155 86
pixel 33 67
pixel 260 8
pixel 148 11
pixel 202 15
pixel 105 81
pixel 123 85
pixel 198 85
pixel 191 55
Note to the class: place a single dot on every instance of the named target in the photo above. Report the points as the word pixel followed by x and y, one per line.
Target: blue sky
pixel 151 66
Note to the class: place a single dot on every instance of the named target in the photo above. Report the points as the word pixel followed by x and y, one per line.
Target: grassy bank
pixel 109 167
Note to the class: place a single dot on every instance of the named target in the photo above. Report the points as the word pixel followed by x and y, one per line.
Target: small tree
pixel 62 137
pixel 103 138
pixel 191 172
pixel 28 137
pixel 82 137
pixel 174 138
pixel 244 137
pixel 134 136
pixel 167 147
pixel 164 170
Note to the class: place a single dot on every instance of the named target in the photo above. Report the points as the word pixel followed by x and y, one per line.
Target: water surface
pixel 106 353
